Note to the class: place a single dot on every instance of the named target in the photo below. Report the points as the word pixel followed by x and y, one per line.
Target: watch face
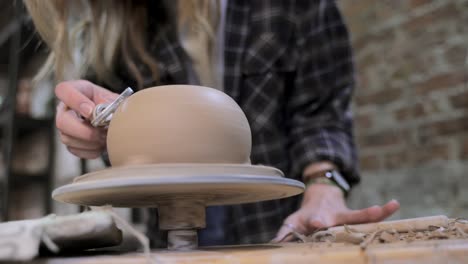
pixel 338 178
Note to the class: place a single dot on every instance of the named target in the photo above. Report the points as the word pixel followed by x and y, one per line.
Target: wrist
pixel 328 177
pixel 322 191
pixel 323 183
pixel 315 169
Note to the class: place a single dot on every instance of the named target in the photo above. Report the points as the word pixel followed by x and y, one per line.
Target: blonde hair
pixel 86 37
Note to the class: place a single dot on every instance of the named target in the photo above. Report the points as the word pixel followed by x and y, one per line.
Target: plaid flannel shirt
pixel 288 64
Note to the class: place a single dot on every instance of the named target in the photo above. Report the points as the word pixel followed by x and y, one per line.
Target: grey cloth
pixel 20 240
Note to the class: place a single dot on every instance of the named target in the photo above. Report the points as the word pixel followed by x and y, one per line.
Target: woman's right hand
pixel 77 102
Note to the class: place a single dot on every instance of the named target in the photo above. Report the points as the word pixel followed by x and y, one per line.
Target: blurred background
pixel 32 160
pixel 411 103
pixel 410 107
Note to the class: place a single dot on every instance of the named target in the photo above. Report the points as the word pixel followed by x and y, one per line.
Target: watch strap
pixel 330 177
pixel 321 180
pixel 336 176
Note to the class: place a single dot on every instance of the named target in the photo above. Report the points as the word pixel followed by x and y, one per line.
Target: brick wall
pixel 411 103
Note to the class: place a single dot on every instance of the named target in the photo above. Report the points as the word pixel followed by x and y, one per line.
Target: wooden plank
pixel 443 251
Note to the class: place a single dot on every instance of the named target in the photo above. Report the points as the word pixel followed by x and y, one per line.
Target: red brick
pixel 370 60
pixel 404 114
pixel 464 149
pixel 402 70
pixel 418 3
pixel 396 160
pixel 420 24
pixel 430 153
pixel 386 10
pixel 460 101
pixel 358 14
pixel 362 81
pixel 382 139
pixel 363 121
pixel 443 128
pixel 456 55
pixel 380 97
pixel 357 9
pixel 385 36
pixel 440 82
pixel 410 112
pixel 369 163
pixel 416 156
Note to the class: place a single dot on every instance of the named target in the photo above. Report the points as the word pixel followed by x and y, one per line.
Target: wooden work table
pixel 435 251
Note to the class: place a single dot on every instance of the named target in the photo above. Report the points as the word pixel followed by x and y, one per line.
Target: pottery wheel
pixel 180 192
pixel 149 185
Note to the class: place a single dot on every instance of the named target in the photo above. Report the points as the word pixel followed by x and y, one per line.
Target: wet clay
pixel 179 124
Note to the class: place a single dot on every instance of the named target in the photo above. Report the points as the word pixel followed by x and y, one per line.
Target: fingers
pixel 291 224
pixel 81 144
pixel 284 234
pixel 307 227
pixel 71 125
pixel 103 96
pixel 85 154
pixel 390 208
pixel 78 99
pixel 81 139
pixel 299 222
pixel 368 215
pixel 77 95
pixel 307 221
pixel 82 96
pixel 313 224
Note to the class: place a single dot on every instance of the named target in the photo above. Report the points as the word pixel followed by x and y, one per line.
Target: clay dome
pixel 179 124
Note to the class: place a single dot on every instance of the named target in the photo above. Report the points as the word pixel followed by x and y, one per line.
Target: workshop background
pixel 410 106
pixel 411 103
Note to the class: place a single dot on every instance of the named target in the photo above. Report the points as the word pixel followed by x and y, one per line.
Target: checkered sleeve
pixel 320 120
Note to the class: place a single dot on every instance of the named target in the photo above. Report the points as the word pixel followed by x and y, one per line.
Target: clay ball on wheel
pixel 179 124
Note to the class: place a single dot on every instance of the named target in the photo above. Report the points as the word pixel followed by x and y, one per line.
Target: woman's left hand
pixel 324 206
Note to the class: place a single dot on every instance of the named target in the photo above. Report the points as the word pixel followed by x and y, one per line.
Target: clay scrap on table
pixel 408 230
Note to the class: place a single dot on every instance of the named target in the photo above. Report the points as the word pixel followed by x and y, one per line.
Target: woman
pixel 288 64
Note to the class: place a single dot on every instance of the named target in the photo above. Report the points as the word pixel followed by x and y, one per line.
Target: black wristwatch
pixel 334 177
pixel 340 181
